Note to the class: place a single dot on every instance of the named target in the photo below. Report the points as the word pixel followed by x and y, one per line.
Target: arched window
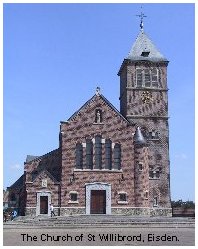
pixel 98 152
pixel 108 154
pixel 117 156
pixel 79 156
pixel 89 154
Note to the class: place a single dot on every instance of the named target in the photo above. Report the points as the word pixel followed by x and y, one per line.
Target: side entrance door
pixel 98 202
pixel 43 204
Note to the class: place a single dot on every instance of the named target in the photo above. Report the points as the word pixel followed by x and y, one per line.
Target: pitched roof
pixel 18 183
pixel 47 173
pixel 144 49
pixel 30 158
pixel 92 99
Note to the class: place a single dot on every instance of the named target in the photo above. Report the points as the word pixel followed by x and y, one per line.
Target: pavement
pixel 103 230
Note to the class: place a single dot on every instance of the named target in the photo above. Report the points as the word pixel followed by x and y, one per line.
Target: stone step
pixel 99 220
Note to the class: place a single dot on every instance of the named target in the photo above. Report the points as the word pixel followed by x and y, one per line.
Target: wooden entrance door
pixel 98 202
pixel 43 204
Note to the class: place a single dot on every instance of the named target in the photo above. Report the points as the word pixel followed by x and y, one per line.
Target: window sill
pixel 98 123
pixel 154 178
pixel 73 202
pixel 123 202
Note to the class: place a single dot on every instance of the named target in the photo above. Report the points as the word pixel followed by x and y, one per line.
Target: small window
pixel 140 166
pixel 157 174
pixel 154 173
pixel 155 202
pixel 153 135
pixel 145 53
pixel 146 195
pixel 123 197
pixel 151 174
pixel 73 196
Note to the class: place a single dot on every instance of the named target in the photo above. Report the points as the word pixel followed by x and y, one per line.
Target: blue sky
pixel 55 55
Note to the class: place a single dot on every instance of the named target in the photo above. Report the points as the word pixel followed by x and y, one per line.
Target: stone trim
pixel 122 192
pixel 71 207
pixel 123 202
pixel 130 207
pixel 98 123
pixel 39 194
pixel 73 202
pixel 146 117
pixel 73 192
pixel 64 211
pixel 141 211
pixel 98 186
pixel 154 89
pixel 99 170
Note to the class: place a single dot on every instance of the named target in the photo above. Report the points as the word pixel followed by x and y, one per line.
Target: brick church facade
pixel 108 162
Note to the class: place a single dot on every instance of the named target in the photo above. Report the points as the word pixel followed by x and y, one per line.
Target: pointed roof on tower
pixel 144 49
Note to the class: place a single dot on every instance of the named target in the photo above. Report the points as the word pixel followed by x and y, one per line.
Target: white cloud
pixel 16 166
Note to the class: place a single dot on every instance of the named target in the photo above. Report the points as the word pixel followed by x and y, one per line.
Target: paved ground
pixel 99 236
pixel 103 230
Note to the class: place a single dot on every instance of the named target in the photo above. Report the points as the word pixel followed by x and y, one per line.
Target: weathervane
pixel 141 19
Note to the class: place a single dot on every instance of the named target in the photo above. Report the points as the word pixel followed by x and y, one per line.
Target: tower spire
pixel 141 19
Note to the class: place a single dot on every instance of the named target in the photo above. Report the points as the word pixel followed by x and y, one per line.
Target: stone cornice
pixel 147 89
pixel 147 117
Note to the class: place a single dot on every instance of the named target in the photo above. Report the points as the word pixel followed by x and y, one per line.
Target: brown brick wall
pixel 51 162
pixel 35 186
pixel 150 116
pixel 82 127
pixel 33 179
pixel 141 176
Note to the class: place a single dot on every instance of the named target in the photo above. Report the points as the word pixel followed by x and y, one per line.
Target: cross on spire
pixel 141 19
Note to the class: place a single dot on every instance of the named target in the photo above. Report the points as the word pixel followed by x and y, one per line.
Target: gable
pixel 97 101
pixel 44 174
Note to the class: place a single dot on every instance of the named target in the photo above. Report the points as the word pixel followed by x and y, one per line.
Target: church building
pixel 108 161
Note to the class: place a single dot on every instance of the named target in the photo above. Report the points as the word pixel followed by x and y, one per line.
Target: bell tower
pixel 144 102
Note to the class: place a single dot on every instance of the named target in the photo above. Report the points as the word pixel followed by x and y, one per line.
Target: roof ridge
pixel 19 182
pixel 76 113
pixel 45 155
